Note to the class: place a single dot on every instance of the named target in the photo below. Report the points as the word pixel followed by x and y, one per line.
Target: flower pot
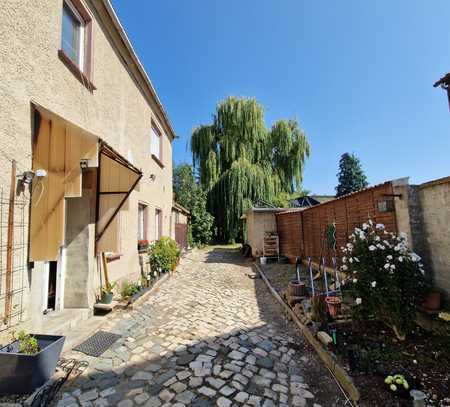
pixel 297 289
pixel 106 298
pixel 22 374
pixel 433 301
pixel 334 305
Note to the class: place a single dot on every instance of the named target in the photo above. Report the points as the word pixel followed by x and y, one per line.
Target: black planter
pixel 22 374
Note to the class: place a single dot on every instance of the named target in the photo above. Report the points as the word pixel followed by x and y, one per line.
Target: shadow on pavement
pixel 212 335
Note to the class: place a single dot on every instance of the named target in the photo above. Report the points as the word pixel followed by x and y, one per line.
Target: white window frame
pixel 155 132
pixel 82 50
pixel 142 221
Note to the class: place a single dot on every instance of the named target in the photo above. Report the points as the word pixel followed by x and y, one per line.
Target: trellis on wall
pixel 13 256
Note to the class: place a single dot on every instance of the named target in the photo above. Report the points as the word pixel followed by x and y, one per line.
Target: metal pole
pixel 297 268
pixel 325 276
pixel 10 242
pixel 336 273
pixel 313 291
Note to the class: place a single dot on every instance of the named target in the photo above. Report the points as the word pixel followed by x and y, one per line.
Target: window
pixel 158 224
pixel 76 41
pixel 142 222
pixel 156 144
pixel 73 31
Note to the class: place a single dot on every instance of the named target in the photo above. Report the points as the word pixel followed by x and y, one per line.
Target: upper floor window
pixel 73 34
pixel 156 144
pixel 76 40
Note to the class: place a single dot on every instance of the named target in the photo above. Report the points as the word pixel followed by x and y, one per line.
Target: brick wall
pixel 304 232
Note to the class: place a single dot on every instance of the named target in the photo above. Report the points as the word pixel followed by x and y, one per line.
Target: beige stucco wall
pixel 258 223
pixel 435 203
pixel 118 111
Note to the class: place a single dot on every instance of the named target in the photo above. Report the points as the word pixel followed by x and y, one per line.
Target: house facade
pixel 93 150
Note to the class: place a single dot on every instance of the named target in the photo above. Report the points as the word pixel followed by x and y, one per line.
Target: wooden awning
pixel 116 179
pixel 58 148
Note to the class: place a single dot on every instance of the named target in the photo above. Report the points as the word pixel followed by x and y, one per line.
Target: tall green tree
pixel 191 195
pixel 351 177
pixel 241 162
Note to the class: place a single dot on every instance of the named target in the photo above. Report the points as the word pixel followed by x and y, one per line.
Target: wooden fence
pixel 303 233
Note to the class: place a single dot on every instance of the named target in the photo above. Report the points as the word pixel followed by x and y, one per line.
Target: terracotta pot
pixel 433 301
pixel 297 289
pixel 334 305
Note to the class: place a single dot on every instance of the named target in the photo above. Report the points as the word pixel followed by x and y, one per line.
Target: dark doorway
pixel 52 272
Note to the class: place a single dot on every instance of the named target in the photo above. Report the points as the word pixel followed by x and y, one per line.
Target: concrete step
pixel 62 322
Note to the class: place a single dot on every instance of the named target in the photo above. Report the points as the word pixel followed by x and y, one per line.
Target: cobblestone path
pixel 211 336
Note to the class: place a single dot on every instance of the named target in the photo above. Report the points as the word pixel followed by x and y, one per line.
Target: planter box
pixel 22 374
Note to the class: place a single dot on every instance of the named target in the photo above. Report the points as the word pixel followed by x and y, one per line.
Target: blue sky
pixel 358 75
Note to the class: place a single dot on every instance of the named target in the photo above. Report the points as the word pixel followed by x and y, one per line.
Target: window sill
pixel 158 161
pixel 76 71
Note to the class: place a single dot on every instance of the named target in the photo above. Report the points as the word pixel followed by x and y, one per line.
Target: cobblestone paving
pixel 211 336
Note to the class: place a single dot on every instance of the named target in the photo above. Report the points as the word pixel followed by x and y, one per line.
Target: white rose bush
pixel 386 279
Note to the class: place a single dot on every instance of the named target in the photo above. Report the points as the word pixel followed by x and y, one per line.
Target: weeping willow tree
pixel 240 162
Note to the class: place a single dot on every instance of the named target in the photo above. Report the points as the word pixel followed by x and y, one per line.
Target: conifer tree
pixel 351 177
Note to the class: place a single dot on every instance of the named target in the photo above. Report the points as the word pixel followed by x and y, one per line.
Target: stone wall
pixel 435 212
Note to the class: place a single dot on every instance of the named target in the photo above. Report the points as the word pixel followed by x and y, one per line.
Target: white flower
pixel 373 284
pixel 350 260
pixel 379 226
pixel 400 259
pixel 356 259
pixel 370 222
pixel 344 259
pixel 387 266
pixel 372 248
pixel 377 238
pixel 389 257
pixel 355 280
pixel 403 235
pixel 358 301
pixel 392 267
pixel 415 258
pixel 344 267
pixel 365 226
pixel 349 246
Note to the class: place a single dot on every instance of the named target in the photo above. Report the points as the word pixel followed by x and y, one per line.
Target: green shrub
pixel 128 289
pixel 387 279
pixel 164 254
pixel 27 344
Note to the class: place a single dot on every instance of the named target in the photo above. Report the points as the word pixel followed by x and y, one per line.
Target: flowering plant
pixel 386 278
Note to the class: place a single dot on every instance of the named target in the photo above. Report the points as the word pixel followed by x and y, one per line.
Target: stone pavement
pixel 212 335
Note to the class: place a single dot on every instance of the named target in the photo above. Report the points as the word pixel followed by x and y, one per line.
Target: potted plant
pixel 333 305
pixel 433 300
pixel 28 362
pixel 107 293
pixel 143 245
